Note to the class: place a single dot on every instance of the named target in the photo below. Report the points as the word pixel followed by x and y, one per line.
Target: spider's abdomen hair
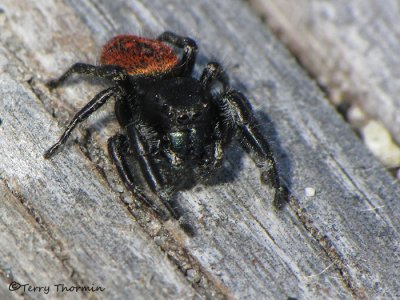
pixel 138 55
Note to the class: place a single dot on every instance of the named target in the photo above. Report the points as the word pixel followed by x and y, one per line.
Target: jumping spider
pixel 175 127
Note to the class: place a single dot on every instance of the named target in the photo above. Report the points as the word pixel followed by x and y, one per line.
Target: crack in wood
pixel 329 249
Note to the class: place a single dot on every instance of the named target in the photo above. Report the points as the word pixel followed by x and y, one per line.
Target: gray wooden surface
pixel 69 220
pixel 352 47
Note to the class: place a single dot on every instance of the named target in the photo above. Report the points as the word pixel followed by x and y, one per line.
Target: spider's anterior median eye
pixel 164 107
pixel 183 119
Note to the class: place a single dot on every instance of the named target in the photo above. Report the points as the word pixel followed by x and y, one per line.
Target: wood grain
pixel 351 47
pixel 87 229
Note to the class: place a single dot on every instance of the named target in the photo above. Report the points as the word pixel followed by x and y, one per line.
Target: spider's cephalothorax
pixel 173 127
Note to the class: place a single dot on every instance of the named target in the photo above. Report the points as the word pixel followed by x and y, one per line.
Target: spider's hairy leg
pixel 253 142
pixel 114 73
pixel 213 73
pixel 118 150
pixel 189 48
pixel 155 176
pixel 81 116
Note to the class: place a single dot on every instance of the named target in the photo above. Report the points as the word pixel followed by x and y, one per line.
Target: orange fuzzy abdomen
pixel 138 56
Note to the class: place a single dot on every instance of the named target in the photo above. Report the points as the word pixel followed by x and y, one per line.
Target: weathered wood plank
pixel 351 47
pixel 87 234
pixel 339 244
pixel 83 226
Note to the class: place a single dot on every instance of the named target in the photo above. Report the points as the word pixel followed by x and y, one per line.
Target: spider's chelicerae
pixel 173 127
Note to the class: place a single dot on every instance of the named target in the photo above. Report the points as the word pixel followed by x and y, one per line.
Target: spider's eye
pixel 183 119
pixel 171 114
pixel 164 107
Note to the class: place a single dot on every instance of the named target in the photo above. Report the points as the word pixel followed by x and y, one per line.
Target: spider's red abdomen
pixel 138 56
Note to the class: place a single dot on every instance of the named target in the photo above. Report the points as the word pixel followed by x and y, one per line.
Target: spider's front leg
pixel 99 100
pixel 154 174
pixel 113 73
pixel 118 149
pixel 239 114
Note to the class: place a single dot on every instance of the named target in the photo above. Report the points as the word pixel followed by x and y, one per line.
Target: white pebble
pixel 356 116
pixel 378 140
pixel 119 188
pixel 310 192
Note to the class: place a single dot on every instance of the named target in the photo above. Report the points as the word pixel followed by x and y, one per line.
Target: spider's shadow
pixel 231 166
pixel 234 156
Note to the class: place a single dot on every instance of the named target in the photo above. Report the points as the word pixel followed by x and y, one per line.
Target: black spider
pixel 174 128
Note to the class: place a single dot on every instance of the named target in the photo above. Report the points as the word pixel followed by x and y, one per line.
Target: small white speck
pixel 119 188
pixel 310 192
pixel 127 200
